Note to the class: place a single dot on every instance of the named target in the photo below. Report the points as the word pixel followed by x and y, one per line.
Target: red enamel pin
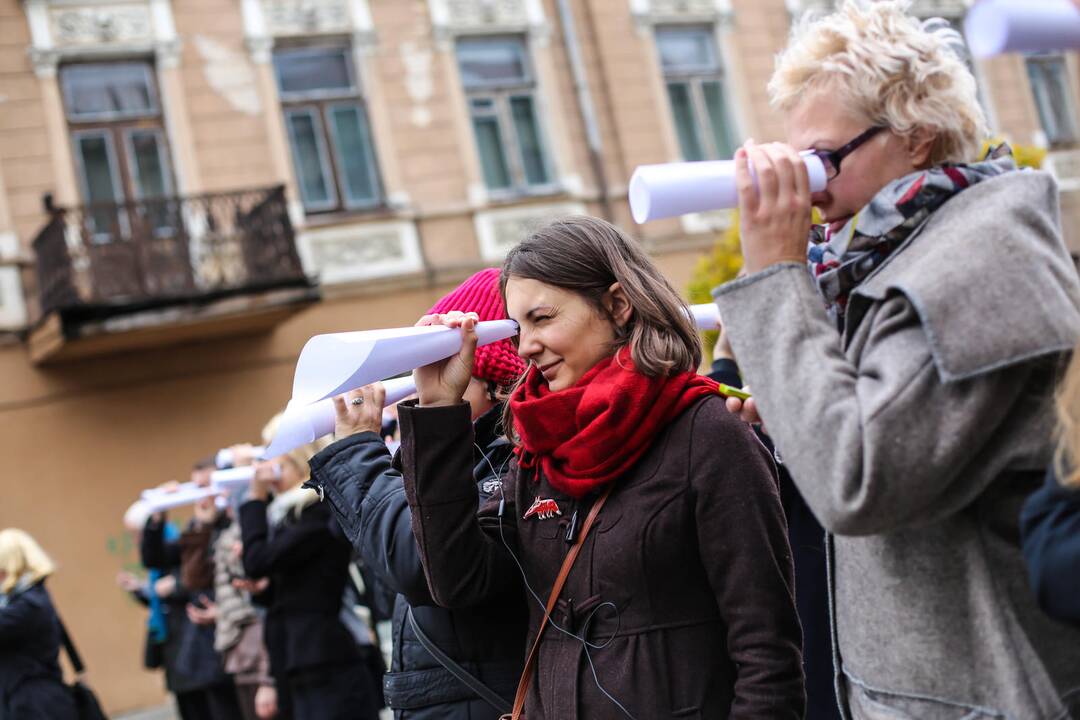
pixel 543 509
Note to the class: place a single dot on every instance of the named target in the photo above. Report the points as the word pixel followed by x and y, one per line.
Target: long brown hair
pixel 1067 402
pixel 586 255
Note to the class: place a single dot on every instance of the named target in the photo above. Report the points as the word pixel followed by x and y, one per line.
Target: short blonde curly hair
pixel 895 70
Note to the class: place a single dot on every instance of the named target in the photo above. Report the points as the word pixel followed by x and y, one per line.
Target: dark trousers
pixel 214 703
pixel 333 692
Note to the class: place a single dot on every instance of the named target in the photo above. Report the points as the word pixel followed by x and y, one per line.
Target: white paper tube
pixel 225 459
pixel 336 363
pixel 167 501
pixel 670 189
pixel 706 316
pixel 301 424
pixel 151 493
pixel 993 27
pixel 231 478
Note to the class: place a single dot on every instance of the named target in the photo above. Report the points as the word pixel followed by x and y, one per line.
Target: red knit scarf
pixel 587 435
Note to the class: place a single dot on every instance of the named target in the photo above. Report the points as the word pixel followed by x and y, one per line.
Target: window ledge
pixel 346 217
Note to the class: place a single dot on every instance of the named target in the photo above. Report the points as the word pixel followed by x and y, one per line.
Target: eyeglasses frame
pixel 833 158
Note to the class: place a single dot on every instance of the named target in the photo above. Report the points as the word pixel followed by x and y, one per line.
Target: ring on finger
pixel 357 400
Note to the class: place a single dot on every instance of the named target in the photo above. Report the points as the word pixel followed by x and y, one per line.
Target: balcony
pixel 115 277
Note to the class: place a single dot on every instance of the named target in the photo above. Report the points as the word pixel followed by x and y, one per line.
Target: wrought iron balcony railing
pixel 156 251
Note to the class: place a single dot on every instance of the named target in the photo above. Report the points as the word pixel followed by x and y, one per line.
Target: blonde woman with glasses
pixel 906 379
pixel 31 683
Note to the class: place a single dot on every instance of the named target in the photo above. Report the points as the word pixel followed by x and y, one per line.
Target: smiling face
pixel 820 122
pixel 561 333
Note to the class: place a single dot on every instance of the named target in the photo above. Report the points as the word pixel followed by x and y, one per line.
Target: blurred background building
pixel 189 189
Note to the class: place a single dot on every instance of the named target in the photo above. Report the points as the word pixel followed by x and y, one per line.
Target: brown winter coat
pixel 684 583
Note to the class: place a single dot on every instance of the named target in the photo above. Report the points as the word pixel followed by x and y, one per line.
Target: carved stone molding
pixel 361 251
pixel 648 13
pixel 464 14
pixel 67 29
pixel 501 229
pixel 307 17
pixel 450 18
pixel 102 24
pixel 939 8
pixel 1064 165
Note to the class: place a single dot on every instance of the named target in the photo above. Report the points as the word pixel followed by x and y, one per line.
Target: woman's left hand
pixel 774 218
pixel 359 411
pixel 265 473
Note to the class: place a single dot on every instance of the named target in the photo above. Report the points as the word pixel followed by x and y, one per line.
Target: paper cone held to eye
pixel 992 27
pixel 336 363
pixel 670 189
pixel 301 424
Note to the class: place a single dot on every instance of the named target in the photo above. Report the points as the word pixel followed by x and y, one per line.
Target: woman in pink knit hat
pixel 447 663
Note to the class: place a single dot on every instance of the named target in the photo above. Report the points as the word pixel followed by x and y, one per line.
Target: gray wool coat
pixel 914 435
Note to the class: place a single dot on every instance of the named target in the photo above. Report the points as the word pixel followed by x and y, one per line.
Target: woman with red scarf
pixel 676 601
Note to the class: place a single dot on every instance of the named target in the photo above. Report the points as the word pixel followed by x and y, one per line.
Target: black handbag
pixel 86 703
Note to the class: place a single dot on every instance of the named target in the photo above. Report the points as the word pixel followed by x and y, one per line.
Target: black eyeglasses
pixel 831 158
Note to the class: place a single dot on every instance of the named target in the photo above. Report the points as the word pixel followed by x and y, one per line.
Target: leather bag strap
pixel 556 590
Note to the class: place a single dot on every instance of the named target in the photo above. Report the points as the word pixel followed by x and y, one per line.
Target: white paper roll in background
pixel 301 424
pixel 670 189
pixel 151 493
pixel 233 478
pixel 992 27
pixel 224 458
pixel 338 362
pixel 159 502
pixel 706 316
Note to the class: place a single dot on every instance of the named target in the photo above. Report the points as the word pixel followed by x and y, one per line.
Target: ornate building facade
pixel 189 189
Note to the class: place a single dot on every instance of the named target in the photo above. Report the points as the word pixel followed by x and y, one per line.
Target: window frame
pixel 1068 120
pixel 109 117
pixel 116 177
pixel 500 94
pixel 320 103
pixel 695 78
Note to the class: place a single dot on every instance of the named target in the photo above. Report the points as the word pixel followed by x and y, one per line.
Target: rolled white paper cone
pixel 301 424
pixel 706 316
pixel 225 459
pixel 232 478
pixel 155 492
pixel 397 389
pixel 335 363
pixel 993 27
pixel 670 189
pixel 168 501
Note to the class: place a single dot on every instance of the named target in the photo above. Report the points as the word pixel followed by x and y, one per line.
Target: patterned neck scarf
pixel 839 261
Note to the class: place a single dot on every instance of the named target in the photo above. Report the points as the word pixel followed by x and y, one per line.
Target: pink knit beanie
pixel 499 361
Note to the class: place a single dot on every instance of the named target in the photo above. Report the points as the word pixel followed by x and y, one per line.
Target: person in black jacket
pixel 194 671
pixel 1050 519
pixel 318 668
pixel 31 683
pixel 807 538
pixel 367 496
pixel 1050 523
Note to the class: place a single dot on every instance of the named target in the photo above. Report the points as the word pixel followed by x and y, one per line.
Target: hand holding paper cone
pixel 444 382
pixel 352 417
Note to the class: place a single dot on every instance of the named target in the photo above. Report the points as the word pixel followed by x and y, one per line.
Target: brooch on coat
pixel 543 509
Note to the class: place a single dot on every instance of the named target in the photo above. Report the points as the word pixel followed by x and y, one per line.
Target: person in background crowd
pixel 1051 516
pixel 318 668
pixel 194 673
pixel 143 590
pixel 807 539
pixel 31 682
pixel 238 630
pixel 680 602
pixel 906 379
pixel 368 499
